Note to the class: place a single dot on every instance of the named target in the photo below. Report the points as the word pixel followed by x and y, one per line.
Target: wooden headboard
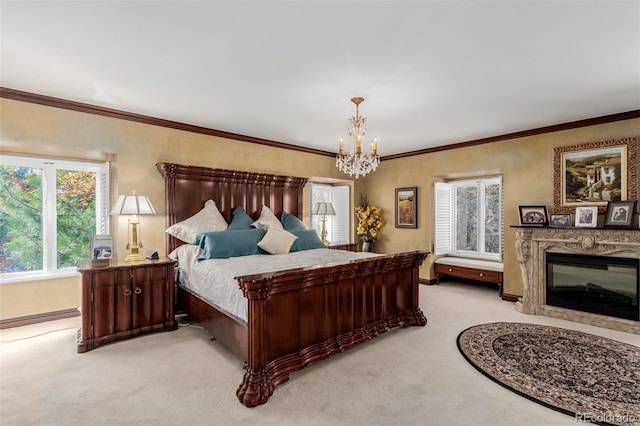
pixel 189 187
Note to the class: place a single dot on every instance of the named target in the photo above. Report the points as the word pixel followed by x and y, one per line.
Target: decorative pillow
pixel 291 223
pixel 307 239
pixel 225 244
pixel 240 220
pixel 267 220
pixel 277 241
pixel 209 219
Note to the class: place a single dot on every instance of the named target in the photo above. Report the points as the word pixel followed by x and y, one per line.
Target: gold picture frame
pixel 592 174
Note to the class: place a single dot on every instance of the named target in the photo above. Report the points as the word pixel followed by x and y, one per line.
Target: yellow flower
pixel 369 222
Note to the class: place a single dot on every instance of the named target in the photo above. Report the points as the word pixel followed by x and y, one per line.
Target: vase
pixel 367 246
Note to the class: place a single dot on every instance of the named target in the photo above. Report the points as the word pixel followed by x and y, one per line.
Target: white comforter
pixel 214 279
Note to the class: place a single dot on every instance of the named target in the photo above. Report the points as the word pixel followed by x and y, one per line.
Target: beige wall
pixel 135 149
pixel 527 168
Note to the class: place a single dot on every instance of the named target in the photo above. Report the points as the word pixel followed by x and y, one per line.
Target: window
pixel 48 212
pixel 338 229
pixel 469 218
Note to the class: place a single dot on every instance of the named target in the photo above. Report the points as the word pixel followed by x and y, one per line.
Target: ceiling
pixel 432 73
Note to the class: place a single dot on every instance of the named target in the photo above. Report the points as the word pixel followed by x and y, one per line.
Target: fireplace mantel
pixel 532 243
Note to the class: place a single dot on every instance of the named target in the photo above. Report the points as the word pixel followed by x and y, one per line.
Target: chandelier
pixel 356 162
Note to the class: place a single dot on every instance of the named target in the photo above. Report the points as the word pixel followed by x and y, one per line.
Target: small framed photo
pixel 560 220
pixel 620 214
pixel 534 215
pixel 101 247
pixel 407 207
pixel 587 217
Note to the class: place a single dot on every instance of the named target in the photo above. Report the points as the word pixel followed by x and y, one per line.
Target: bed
pixel 294 316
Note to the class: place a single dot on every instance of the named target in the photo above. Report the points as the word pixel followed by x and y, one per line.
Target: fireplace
pixel 600 256
pixel 604 285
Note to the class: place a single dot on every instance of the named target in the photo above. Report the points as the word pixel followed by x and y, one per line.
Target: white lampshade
pixel 133 204
pixel 325 209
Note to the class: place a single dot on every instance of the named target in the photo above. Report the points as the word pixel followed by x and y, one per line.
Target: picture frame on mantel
pixel 594 174
pixel 533 215
pixel 407 207
pixel 560 220
pixel 586 217
pixel 620 214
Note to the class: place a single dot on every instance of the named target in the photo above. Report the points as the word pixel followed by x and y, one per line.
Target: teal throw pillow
pixel 307 239
pixel 240 220
pixel 225 244
pixel 292 223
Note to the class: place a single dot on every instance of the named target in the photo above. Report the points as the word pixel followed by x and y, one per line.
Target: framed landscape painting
pixel 407 207
pixel 594 174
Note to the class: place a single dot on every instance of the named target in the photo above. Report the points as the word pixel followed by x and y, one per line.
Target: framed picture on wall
pixel 533 215
pixel 620 214
pixel 587 217
pixel 407 207
pixel 595 173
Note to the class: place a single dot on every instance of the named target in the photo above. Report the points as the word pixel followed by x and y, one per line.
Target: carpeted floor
pixel 586 376
pixel 410 376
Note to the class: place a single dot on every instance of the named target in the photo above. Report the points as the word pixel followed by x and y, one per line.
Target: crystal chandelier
pixel 356 162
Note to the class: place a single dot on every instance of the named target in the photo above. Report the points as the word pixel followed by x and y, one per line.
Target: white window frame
pixel 445 223
pixel 49 167
pixel 338 226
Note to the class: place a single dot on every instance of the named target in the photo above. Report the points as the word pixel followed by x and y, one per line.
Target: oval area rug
pixel 590 377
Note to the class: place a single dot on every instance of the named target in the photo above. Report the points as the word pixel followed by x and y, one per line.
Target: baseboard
pixel 35 319
pixel 426 281
pixel 510 297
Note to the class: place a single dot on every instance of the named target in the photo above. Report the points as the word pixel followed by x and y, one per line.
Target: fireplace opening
pixel 597 284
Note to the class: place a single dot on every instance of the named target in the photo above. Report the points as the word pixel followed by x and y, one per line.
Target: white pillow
pixel 277 241
pixel 267 220
pixel 209 219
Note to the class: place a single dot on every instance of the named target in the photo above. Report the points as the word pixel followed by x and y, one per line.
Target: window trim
pixel 445 224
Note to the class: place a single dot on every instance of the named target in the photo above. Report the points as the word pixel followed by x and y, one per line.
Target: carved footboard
pixel 300 316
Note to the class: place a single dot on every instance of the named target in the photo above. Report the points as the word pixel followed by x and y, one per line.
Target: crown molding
pixel 525 133
pixel 51 101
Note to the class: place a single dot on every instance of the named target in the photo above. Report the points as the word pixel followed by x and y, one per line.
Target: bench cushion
pixel 487 265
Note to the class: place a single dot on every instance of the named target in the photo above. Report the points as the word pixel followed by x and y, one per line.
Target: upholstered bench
pixel 471 269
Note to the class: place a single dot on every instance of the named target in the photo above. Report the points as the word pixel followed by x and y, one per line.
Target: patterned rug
pixel 592 378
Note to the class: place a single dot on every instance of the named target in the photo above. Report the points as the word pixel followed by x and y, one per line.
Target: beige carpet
pixel 413 376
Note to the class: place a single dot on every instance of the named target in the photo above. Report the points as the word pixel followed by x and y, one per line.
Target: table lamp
pixel 133 205
pixel 324 209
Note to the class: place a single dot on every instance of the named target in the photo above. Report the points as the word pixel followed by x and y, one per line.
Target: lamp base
pixel 323 233
pixel 134 258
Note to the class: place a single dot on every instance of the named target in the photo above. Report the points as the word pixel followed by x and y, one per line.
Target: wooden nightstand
pixel 125 300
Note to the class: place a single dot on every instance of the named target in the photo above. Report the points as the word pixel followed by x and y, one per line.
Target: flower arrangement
pixel 369 222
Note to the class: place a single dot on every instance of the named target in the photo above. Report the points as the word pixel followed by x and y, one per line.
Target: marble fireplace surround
pixel 532 244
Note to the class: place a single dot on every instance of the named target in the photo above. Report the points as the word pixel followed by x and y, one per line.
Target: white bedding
pixel 214 279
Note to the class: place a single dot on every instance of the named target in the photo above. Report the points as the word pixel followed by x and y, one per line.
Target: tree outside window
pixel 38 235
